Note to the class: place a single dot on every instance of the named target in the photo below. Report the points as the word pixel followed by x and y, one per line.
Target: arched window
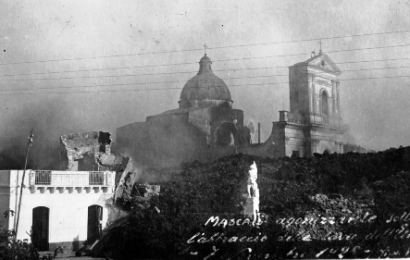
pixel 325 104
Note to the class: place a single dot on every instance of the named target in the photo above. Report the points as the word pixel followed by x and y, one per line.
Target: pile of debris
pixel 329 186
pixel 129 192
pixel 129 196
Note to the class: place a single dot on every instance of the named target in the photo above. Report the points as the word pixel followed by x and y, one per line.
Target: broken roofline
pixel 103 137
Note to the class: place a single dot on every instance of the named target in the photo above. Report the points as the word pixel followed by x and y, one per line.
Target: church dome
pixel 205 88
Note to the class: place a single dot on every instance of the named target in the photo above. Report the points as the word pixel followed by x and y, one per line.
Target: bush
pixel 12 249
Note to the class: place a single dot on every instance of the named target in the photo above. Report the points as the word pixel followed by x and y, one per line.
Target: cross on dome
pixel 205 47
pixel 320 46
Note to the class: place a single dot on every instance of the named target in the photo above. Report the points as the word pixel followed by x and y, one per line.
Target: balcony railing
pixel 71 179
pixel 42 177
pixel 96 178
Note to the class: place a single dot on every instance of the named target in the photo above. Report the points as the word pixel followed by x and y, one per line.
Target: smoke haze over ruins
pixel 69 68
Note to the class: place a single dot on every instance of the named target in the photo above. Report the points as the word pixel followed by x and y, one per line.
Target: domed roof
pixel 205 59
pixel 205 85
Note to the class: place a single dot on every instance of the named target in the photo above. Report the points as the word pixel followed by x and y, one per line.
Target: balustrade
pixel 70 179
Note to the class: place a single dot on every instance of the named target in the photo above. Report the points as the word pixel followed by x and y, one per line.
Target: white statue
pixel 253 191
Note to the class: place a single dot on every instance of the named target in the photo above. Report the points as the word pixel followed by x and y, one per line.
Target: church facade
pixel 314 123
pixel 205 126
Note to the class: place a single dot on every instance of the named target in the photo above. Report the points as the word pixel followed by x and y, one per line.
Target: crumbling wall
pixel 91 151
pixel 113 162
pixel 80 151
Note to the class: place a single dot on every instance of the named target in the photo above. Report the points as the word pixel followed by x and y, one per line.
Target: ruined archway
pixel 226 135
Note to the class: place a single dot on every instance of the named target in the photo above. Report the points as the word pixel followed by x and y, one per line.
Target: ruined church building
pixel 206 126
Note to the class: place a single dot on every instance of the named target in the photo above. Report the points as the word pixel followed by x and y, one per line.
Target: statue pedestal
pixel 252 206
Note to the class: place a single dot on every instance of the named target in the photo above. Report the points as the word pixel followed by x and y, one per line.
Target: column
pixel 313 94
pixel 338 99
pixel 312 99
pixel 334 97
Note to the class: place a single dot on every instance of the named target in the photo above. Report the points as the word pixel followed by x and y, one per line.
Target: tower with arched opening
pixel 314 123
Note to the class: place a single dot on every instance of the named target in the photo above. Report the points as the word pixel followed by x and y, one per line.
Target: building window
pixel 325 104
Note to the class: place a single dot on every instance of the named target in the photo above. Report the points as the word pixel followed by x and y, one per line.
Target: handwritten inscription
pixel 405 217
pixel 329 252
pixel 223 222
pixel 397 233
pixel 340 252
pixel 395 228
pixel 330 236
pixel 366 218
pixel 221 237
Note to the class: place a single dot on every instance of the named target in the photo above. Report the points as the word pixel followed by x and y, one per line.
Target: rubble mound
pixel 338 201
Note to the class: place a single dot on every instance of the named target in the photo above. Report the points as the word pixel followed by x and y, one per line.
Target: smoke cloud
pixel 45 119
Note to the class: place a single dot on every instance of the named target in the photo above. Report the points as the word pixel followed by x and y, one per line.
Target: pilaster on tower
pixel 314 123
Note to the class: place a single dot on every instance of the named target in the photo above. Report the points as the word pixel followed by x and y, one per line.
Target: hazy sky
pixel 68 66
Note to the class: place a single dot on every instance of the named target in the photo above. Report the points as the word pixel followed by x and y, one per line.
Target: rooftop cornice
pixel 291 124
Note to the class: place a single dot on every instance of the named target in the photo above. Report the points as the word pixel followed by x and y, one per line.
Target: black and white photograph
pixel 204 130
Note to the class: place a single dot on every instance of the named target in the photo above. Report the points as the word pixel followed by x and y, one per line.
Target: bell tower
pixel 314 91
pixel 314 123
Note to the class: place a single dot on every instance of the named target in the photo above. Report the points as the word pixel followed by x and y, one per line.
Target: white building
pixel 58 207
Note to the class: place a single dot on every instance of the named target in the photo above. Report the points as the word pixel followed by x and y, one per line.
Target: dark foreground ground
pixel 328 206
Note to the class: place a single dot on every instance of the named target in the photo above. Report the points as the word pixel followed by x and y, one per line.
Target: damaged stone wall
pixel 90 151
pixel 79 150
